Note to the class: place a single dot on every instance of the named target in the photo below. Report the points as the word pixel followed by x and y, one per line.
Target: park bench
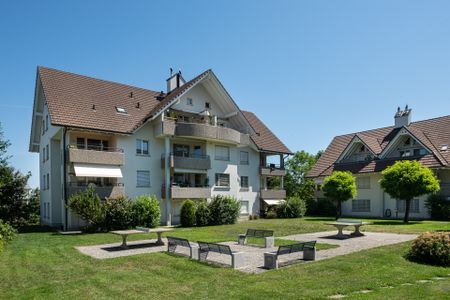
pixel 174 242
pixel 308 249
pixel 267 235
pixel 340 224
pixel 237 258
pixel 139 230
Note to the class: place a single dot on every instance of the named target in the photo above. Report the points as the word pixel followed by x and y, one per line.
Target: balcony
pixel 273 194
pixel 177 192
pixel 105 191
pixel 202 131
pixel 104 156
pixel 193 161
pixel 272 170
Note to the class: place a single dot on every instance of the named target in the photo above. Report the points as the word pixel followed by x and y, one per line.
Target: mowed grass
pixel 46 265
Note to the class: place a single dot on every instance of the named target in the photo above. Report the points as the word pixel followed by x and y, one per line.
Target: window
pixel 43 127
pixel 47 153
pixel 181 150
pixel 413 208
pixel 361 205
pixel 198 151
pixel 143 179
pixel 222 180
pixel 43 154
pixel 48 181
pixel 81 143
pixel 363 182
pixel 222 153
pixel 189 101
pixel 405 153
pixel 121 110
pixel 142 147
pixel 244 181
pixel 44 183
pixel 48 210
pixel 420 152
pixel 244 208
pixel 207 105
pixel 46 122
pixel 244 158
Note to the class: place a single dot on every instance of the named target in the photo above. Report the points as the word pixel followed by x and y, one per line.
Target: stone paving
pixel 254 256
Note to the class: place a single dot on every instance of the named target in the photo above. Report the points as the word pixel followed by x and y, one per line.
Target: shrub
pixel 438 207
pixel 202 214
pixel 431 248
pixel 88 206
pixel 7 233
pixel 271 214
pixel 187 214
pixel 146 211
pixel 294 207
pixel 224 210
pixel 118 213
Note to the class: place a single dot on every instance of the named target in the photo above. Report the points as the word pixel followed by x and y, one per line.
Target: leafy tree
pixel 339 187
pixel 187 213
pixel 4 144
pixel 88 206
pixel 406 180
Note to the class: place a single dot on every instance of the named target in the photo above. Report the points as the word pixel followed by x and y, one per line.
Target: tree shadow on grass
pixel 35 228
pixel 395 223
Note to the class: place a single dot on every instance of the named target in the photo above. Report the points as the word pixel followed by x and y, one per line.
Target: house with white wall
pixel 189 142
pixel 366 154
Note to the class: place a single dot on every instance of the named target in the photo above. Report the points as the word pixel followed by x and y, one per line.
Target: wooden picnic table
pixel 139 230
pixel 340 224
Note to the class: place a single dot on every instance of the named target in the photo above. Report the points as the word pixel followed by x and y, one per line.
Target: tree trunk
pixel 338 209
pixel 406 217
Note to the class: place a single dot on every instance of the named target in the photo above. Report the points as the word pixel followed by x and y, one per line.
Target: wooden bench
pixel 174 242
pixel 267 235
pixel 308 249
pixel 237 258
pixel 139 230
pixel 340 224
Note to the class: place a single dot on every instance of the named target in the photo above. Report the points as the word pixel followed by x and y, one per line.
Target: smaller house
pixel 366 154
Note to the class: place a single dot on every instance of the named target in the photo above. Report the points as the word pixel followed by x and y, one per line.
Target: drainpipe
pixel 167 181
pixel 65 179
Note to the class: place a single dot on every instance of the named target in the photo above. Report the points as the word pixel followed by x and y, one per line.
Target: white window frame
pixel 360 184
pixel 247 205
pixel 361 205
pixel 246 160
pixel 145 184
pixel 189 101
pixel 140 147
pixel 218 181
pixel 222 156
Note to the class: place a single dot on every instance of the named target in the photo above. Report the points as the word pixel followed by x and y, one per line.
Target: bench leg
pixel 194 253
pixel 237 260
pixel 242 239
pixel 270 261
pixel 357 232
pixel 340 234
pixel 159 241
pixel 269 242
pixel 124 241
pixel 202 255
pixel 309 253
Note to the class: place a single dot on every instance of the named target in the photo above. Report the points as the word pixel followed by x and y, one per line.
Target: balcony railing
pixel 103 190
pixel 184 161
pixel 273 194
pixel 187 192
pixel 272 170
pixel 96 155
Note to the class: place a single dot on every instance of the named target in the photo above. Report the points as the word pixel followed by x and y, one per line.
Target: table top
pixel 348 223
pixel 141 230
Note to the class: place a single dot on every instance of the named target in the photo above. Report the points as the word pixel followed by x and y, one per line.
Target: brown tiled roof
pixel 264 139
pixel 432 133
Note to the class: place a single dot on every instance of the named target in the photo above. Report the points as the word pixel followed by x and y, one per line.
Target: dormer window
pixel 121 110
pixel 408 142
pixel 207 105
pixel 189 101
pixel 362 148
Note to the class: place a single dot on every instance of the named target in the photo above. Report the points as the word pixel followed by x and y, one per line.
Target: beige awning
pixel 84 170
pixel 274 201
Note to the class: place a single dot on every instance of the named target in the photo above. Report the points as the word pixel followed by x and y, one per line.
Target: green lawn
pixel 46 265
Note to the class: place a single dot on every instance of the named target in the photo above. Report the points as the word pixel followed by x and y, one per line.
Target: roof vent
pixel 160 96
pixel 402 117
pixel 121 110
pixel 131 94
pixel 444 147
pixel 93 106
pixel 138 105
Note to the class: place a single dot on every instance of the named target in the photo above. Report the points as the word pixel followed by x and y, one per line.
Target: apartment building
pixel 366 154
pixel 190 142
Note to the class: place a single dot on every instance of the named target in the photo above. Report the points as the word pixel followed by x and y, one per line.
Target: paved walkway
pixel 254 256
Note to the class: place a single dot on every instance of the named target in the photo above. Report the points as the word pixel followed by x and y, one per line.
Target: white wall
pixel 199 96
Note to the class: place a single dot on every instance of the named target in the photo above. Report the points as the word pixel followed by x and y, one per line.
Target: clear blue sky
pixel 310 69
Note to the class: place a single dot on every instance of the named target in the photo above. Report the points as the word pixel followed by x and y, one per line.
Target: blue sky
pixel 309 69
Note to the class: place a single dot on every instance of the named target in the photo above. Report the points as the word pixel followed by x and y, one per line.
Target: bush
pixel 187 214
pixel 438 207
pixel 146 211
pixel 320 207
pixel 294 207
pixel 431 248
pixel 7 233
pixel 88 206
pixel 224 210
pixel 271 214
pixel 118 213
pixel 202 214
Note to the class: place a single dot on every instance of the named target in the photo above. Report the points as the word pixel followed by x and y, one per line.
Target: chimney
pixel 174 81
pixel 403 117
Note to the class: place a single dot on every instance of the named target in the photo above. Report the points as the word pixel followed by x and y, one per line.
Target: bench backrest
pixel 178 241
pixel 288 249
pixel 261 233
pixel 348 221
pixel 213 247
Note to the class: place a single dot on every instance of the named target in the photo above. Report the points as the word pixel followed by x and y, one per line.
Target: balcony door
pixel 181 150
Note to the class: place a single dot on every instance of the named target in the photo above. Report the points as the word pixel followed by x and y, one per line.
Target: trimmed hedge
pixel 187 214
pixel 431 248
pixel 146 211
pixel 224 210
pixel 202 214
pixel 118 213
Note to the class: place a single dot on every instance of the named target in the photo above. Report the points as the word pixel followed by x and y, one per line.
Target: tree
pixel 339 187
pixel 406 180
pixel 4 144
